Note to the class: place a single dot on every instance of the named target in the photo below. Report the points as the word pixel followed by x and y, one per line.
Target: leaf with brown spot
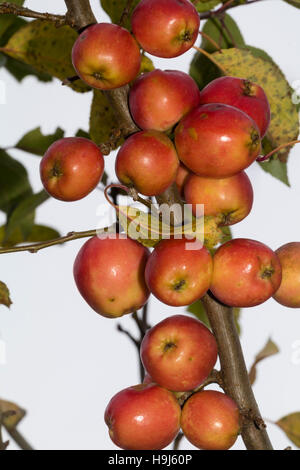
pixel 12 414
pixel 290 424
pixel 103 121
pixel 4 295
pixel 270 349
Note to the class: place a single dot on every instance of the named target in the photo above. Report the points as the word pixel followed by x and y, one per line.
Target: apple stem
pixel 130 191
pixel 211 58
pixel 264 158
pixel 211 40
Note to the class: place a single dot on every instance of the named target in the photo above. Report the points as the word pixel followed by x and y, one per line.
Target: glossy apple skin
pixel 177 276
pixel 288 293
pixel 179 353
pixel 160 98
pixel 106 56
pixel 109 274
pixel 181 178
pixel 143 417
pixel 71 168
pixel 246 273
pixel 217 140
pixel 242 94
pixel 230 199
pixel 177 19
pixel 210 420
pixel 148 161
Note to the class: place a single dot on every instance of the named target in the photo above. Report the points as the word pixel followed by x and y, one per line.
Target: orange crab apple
pixel 210 420
pixel 217 140
pixel 160 98
pixel 288 293
pixel 106 56
pixel 230 199
pixel 143 417
pixel 177 275
pixel 165 28
pixel 179 353
pixel 246 273
pixel 109 274
pixel 71 168
pixel 148 161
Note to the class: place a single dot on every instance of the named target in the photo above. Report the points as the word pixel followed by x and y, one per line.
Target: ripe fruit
pixel 288 293
pixel 210 420
pixel 242 94
pixel 159 99
pixel 71 168
pixel 179 353
pixel 109 273
pixel 165 28
pixel 143 417
pixel 246 273
pixel 106 56
pixel 229 198
pixel 181 178
pixel 148 161
pixel 176 275
pixel 217 140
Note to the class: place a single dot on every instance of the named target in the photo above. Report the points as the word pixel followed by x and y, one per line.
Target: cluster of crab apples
pixel 203 142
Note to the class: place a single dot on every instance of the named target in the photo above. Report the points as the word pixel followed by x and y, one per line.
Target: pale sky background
pixel 64 362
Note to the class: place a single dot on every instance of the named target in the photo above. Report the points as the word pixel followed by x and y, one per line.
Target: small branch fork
pixel 12 9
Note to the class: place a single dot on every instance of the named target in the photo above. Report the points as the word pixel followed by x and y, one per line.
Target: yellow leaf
pixel 270 349
pixel 13 414
pixel 290 424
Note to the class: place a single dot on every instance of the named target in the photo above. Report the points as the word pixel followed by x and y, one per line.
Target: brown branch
pixel 226 6
pixel 12 9
pixel 18 438
pixel 79 14
pixel 234 374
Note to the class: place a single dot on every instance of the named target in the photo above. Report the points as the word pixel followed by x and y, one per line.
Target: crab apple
pixel 177 275
pixel 246 273
pixel 71 168
pixel 181 178
pixel 179 353
pixel 160 98
pixel 288 293
pixel 217 140
pixel 242 94
pixel 230 199
pixel 143 417
pixel 148 161
pixel 106 56
pixel 109 274
pixel 210 420
pixel 165 28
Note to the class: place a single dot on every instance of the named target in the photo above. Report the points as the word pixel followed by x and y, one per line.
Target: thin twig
pixel 18 438
pixel 125 12
pixel 12 9
pixel 226 6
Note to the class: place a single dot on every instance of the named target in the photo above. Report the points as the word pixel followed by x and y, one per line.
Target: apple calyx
pixel 179 285
pixel 267 272
pixel 56 170
pixel 248 88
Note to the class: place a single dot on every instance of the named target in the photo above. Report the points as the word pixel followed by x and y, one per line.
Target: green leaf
pixel 284 126
pixel 202 69
pixel 82 133
pixel 102 119
pixel 294 3
pixel 47 49
pixel 14 183
pixel 270 349
pixel 39 233
pixel 37 143
pixel 23 215
pixel 4 295
pixel 205 5
pixel 197 309
pixel 290 424
pixel 115 8
pixel 276 168
pixel 7 20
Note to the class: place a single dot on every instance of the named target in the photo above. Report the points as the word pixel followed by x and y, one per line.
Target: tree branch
pixel 79 14
pixel 18 438
pixel 235 375
pixel 226 6
pixel 12 9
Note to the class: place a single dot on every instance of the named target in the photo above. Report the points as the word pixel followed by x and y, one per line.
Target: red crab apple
pixel 181 178
pixel 109 273
pixel 179 353
pixel 177 275
pixel 71 168
pixel 143 417
pixel 230 198
pixel 148 161
pixel 210 420
pixel 159 99
pixel 106 56
pixel 288 293
pixel 165 28
pixel 246 273
pixel 242 94
pixel 217 140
